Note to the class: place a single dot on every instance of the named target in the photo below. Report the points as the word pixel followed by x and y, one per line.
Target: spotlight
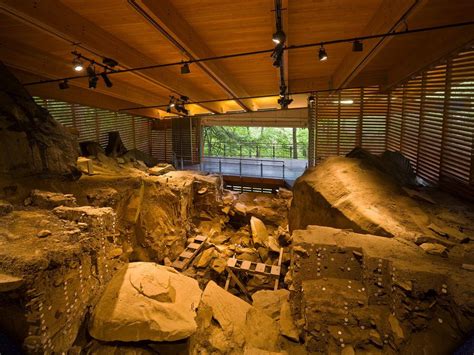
pixel 185 69
pixel 357 46
pixel 284 101
pixel 64 85
pixel 77 64
pixel 171 104
pixel 322 54
pixel 110 62
pixel 92 77
pixel 279 37
pixel 311 99
pixel 107 81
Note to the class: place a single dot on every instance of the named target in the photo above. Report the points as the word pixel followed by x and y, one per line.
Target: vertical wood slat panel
pixel 93 124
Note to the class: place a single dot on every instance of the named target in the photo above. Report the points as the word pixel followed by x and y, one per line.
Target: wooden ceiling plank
pixel 54 17
pixel 386 19
pixel 166 15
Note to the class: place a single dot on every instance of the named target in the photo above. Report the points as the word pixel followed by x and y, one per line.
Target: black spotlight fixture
pixel 284 101
pixel 279 37
pixel 357 46
pixel 64 85
pixel 322 54
pixel 106 79
pixel 311 99
pixel 93 78
pixel 277 55
pixel 171 104
pixel 185 69
pixel 180 105
pixel 110 62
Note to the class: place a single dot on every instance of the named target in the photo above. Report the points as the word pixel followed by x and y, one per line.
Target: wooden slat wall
pixel 341 121
pixel 93 124
pixel 162 141
pixel 431 121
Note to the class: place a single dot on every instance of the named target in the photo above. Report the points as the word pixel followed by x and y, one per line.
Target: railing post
pixel 240 147
pixel 224 150
pixel 261 169
pixel 273 147
pixel 283 170
pixel 220 167
pixel 240 167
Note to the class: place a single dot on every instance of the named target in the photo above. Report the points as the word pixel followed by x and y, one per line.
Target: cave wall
pixel 32 142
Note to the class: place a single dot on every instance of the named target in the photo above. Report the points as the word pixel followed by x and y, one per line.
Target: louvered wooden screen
pixel 431 121
pixel 93 124
pixel 162 141
pixel 346 119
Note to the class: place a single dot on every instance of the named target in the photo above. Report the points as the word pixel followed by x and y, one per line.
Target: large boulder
pixel 146 301
pixel 348 193
pixel 32 142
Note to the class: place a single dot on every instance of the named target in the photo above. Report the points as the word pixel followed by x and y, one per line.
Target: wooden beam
pixel 55 18
pixel 428 51
pixel 46 66
pixel 386 19
pixel 168 18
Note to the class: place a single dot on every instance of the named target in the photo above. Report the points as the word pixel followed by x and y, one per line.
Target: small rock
pixel 202 191
pixel 395 326
pixel 167 261
pixel 300 250
pixel 469 267
pixel 205 258
pixel 287 325
pixel 115 253
pixel 259 232
pixel 434 249
pixel 219 265
pixel 348 350
pixel 44 233
pixel 5 207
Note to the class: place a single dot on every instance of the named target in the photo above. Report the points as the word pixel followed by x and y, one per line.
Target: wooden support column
pixel 447 98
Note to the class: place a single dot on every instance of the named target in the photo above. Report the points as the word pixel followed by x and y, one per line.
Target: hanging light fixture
pixel 185 69
pixel 64 85
pixel 77 64
pixel 322 54
pixel 357 46
pixel 93 78
pixel 279 37
pixel 106 79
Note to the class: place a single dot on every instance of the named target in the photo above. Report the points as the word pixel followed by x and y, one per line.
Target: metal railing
pixel 245 167
pixel 255 150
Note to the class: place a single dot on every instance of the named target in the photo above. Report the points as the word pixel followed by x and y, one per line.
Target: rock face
pixel 348 193
pixel 237 325
pixel 146 301
pixel 32 142
pixel 5 207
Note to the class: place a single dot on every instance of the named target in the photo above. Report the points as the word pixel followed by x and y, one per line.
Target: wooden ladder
pixel 189 253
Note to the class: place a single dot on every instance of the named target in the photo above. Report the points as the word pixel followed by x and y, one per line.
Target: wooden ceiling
pixel 37 36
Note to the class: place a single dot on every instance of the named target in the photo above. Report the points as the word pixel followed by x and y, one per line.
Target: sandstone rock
pixel 238 326
pixel 259 232
pixel 9 282
pixel 273 245
pixel 103 197
pixel 101 217
pixel 44 233
pixel 270 302
pixel 47 199
pixel 434 249
pixel 348 350
pixel 287 325
pixel 396 328
pixel 33 142
pixel 5 208
pixel 205 258
pixel 160 169
pixel 219 265
pixel 146 301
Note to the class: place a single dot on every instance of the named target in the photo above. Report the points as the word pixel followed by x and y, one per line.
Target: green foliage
pixel 264 142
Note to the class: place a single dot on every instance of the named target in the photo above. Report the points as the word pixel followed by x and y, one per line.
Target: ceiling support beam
pixel 55 18
pixel 390 17
pixel 184 37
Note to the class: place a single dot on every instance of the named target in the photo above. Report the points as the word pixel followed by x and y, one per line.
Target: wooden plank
pixel 240 284
pixel 194 245
pixel 245 265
